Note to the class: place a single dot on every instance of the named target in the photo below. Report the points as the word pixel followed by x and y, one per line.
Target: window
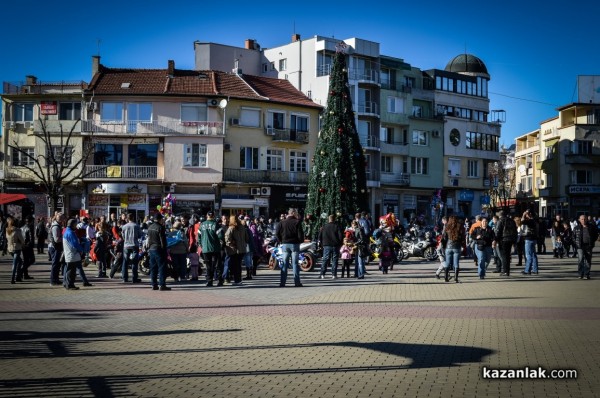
pixel 137 113
pixel 548 152
pixel 481 141
pixel 70 111
pixel 419 165
pixel 272 64
pixel 548 180
pixel 419 138
pixel 583 177
pixel 386 164
pixel 275 159
pixel 194 155
pixel 410 81
pixel 593 116
pixel 324 62
pixel 299 161
pixel 111 112
pixel 386 134
pixel 143 154
pixel 388 78
pixel 283 64
pixel 276 120
pixel 23 112
pixel 299 123
pixel 472 168
pixel 579 147
pixel 250 117
pixel 58 153
pixel 454 167
pixel 23 156
pixel 265 67
pixel 248 158
pixel 108 154
pixel 395 105
pixel 417 111
pixel 193 112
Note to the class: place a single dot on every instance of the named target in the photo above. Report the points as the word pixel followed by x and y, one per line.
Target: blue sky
pixel 534 53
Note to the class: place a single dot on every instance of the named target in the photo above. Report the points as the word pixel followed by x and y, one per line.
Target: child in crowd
pixel 559 247
pixel 194 260
pixel 386 257
pixel 346 252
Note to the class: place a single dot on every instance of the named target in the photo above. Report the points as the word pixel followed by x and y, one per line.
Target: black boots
pixel 248 274
pixel 446 272
pixel 456 275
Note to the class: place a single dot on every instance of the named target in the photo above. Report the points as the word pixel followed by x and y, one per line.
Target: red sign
pixel 48 108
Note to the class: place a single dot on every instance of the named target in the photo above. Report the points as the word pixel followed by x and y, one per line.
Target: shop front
pixel 285 197
pixel 582 199
pixel 193 204
pixel 252 207
pixel 118 198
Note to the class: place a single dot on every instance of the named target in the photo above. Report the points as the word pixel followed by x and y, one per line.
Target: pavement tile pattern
pixel 404 334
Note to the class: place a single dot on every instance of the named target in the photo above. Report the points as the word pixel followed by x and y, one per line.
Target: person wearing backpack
pixel 506 237
pixel 529 236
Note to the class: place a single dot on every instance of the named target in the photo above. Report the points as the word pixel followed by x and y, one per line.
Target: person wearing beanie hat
pixel 157 248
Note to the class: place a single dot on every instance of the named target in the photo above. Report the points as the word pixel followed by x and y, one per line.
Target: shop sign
pixel 48 108
pixel 466 195
pixel 584 189
pixel 133 188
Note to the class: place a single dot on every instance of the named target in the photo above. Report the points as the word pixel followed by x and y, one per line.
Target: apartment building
pixel 528 174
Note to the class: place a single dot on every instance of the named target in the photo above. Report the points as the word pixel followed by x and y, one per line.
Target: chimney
pixel 249 44
pixel 295 37
pixel 171 68
pixel 95 64
pixel 30 80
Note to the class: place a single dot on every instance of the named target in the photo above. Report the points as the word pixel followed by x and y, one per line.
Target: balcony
pixel 591 160
pixel 287 135
pixel 264 176
pixel 370 142
pixel 13 173
pixel 167 127
pixel 368 108
pixel 365 75
pixel 372 178
pixel 58 126
pixel 401 179
pixel 93 172
pixel 394 148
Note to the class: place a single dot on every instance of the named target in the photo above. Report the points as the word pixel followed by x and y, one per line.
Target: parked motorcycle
pixel 419 246
pixel 306 257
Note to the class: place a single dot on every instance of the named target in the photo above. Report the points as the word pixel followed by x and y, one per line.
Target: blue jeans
pixel 531 260
pixel 157 267
pixel 180 264
pixel 483 258
pixel 452 257
pixel 584 260
pixel 330 256
pixel 134 263
pixel 248 260
pixel 359 268
pixel 288 249
pixel 56 264
pixel 17 267
pixel 81 272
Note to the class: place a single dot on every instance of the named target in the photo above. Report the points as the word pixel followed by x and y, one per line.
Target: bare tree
pixel 502 182
pixel 61 161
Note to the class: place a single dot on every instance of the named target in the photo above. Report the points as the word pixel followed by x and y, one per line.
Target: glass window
pixel 70 110
pixel 193 112
pixel 283 64
pixel 417 111
pixel 194 155
pixel 23 112
pixel 141 111
pixel 58 153
pixel 111 112
pixel 143 155
pixel 108 154
pixel 275 159
pixel 386 164
pixel 454 167
pixel 472 168
pixel 250 117
pixel 395 105
pixel 580 147
pixel 581 177
pixel 419 165
pixel 299 161
pixel 419 138
pixel 276 120
pixel 299 123
pixel 248 158
pixel 23 156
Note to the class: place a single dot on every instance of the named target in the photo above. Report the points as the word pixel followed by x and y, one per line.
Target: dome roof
pixel 467 64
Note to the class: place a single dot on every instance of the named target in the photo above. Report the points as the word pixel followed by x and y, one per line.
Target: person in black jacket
pixel 585 235
pixel 483 236
pixel 157 248
pixel 290 235
pixel 331 238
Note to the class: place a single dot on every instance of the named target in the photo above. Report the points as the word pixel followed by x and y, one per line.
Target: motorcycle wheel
pixel 399 255
pixel 430 253
pixel 308 262
pixel 144 266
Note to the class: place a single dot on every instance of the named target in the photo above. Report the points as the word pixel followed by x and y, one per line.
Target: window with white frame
pixel 419 138
pixel 193 112
pixel 58 153
pixel 139 111
pixel 454 167
pixel 299 122
pixel 194 155
pixel 386 164
pixel 283 64
pixel 386 134
pixel 23 156
pixel 395 105
pixel 548 152
pixel 248 158
pixel 70 110
pixel 419 165
pixel 250 117
pixel 276 120
pixel 23 112
pixel 472 168
pixel 275 159
pixel 299 161
pixel 111 112
pixel 581 177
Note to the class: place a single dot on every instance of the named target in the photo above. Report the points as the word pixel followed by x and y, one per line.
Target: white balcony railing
pixel 168 127
pixel 124 172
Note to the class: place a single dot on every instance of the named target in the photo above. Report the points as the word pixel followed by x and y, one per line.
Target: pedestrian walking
pixel 453 241
pixel 585 235
pixel 14 246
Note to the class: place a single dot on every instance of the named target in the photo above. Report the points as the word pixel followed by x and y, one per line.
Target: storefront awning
pixel 11 197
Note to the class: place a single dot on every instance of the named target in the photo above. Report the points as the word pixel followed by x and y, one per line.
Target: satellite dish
pixel 223 103
pixel 522 169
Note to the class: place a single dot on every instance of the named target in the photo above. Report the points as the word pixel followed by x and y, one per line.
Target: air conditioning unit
pixel 270 131
pixel 234 121
pixel 92 106
pixel 265 191
pixel 227 147
pixel 435 133
pixel 255 191
pixel 213 102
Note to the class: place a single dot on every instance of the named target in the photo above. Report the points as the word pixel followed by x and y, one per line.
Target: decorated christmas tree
pixel 337 182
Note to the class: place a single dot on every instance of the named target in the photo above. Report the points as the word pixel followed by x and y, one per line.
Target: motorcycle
pixel 419 246
pixel 306 257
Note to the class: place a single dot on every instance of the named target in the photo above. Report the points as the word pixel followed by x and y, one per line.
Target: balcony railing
pixel 370 142
pixel 57 126
pixel 395 179
pixel 592 160
pixel 372 174
pixel 368 75
pixel 264 176
pixel 368 107
pixel 124 172
pixel 167 127
pixel 288 135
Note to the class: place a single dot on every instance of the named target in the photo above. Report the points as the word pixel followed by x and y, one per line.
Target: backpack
pixel 509 230
pixel 174 238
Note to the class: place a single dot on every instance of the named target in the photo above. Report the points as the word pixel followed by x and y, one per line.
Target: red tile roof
pixel 109 81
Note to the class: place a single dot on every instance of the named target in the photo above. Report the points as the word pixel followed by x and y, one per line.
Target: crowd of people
pixel 174 246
